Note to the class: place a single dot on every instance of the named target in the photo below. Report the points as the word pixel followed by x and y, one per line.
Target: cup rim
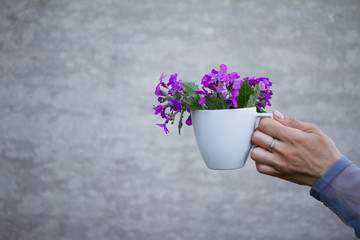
pixel 231 109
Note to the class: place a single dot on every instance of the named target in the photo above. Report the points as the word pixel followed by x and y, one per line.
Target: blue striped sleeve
pixel 339 190
pixel 333 171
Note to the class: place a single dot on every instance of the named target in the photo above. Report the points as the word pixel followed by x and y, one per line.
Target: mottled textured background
pixel 81 157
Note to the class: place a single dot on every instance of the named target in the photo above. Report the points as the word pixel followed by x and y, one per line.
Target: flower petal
pixel 202 101
pixel 189 121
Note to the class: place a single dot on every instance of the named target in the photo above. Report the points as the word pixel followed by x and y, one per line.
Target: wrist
pixel 331 173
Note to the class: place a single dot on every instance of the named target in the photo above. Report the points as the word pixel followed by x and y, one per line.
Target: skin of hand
pixel 302 153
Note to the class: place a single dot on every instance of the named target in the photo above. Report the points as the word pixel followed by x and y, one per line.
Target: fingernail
pixel 278 115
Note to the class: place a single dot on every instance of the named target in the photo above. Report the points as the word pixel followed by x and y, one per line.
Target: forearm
pixel 339 189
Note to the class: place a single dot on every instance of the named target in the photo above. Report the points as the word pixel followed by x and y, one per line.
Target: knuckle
pixel 254 154
pixel 297 138
pixel 260 168
pixel 264 123
pixel 292 122
pixel 284 167
pixel 288 152
pixel 255 136
pixel 314 127
pixel 285 152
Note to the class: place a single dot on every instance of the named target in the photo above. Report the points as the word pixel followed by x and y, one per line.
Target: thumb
pixel 292 122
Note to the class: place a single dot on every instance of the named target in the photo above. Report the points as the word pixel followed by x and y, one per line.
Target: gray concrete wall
pixel 81 157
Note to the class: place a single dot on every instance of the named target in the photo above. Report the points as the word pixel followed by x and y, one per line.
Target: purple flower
pixel 161 100
pixel 217 85
pixel 220 90
pixel 157 90
pixel 160 109
pixel 213 73
pixel 203 92
pixel 268 97
pixel 177 105
pixel 202 101
pixel 237 84
pixel 233 102
pixel 163 125
pixel 205 81
pixel 172 79
pixel 233 98
pixel 252 81
pixel 266 81
pixel 218 75
pixel 162 77
pixel 262 86
pixel 223 67
pixel 176 86
pixel 189 121
pixel 231 77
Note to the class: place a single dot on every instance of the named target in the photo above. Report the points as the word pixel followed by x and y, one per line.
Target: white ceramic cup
pixel 224 136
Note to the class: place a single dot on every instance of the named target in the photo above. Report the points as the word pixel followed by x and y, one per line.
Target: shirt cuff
pixel 331 173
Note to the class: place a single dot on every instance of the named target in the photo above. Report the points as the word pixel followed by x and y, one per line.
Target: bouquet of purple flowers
pixel 218 90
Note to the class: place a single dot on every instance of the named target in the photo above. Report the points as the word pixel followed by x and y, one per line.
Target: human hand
pixel 302 153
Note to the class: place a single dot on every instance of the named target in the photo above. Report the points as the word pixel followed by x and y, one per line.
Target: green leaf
pixel 196 106
pixel 248 95
pixel 190 88
pixel 253 97
pixel 192 103
pixel 244 93
pixel 180 120
pixel 215 102
pixel 259 109
pixel 191 98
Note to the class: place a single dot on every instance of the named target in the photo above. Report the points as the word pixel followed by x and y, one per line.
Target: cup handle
pixel 259 115
pixel 270 115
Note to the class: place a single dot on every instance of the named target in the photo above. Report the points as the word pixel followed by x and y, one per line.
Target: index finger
pixel 273 128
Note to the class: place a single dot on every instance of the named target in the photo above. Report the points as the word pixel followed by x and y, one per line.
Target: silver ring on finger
pixel 272 145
